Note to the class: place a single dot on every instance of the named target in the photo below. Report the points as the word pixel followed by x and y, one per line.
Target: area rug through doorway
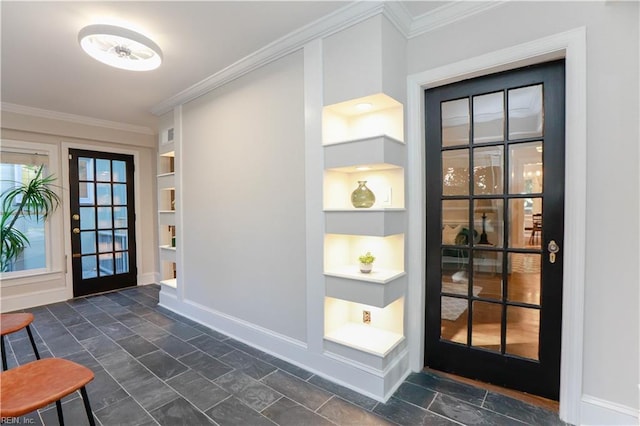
pixel 451 307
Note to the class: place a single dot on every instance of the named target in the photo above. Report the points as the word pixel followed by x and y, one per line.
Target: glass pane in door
pixel 526 115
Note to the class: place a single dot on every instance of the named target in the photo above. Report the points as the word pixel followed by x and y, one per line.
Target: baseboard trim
pixel 33 299
pixel 147 278
pixel 375 384
pixel 597 411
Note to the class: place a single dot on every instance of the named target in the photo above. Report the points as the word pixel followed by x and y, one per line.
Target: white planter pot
pixel 365 268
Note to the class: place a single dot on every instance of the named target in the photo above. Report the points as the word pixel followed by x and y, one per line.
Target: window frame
pixel 53 226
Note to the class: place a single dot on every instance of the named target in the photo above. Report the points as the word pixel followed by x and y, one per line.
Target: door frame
pixel 571 46
pixel 64 172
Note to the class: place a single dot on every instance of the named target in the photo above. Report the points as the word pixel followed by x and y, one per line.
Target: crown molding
pixel 73 118
pixel 399 15
pixel 342 18
pixel 449 13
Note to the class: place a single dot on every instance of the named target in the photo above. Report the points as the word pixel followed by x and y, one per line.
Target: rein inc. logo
pixel 17 421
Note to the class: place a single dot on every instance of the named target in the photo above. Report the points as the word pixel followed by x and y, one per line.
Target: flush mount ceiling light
pixel 120 47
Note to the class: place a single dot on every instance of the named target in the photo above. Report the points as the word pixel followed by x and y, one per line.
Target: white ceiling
pixel 43 66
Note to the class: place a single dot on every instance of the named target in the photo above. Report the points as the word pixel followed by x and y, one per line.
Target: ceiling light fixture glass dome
pixel 120 47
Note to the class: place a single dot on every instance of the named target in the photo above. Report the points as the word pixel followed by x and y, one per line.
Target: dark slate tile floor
pixel 154 367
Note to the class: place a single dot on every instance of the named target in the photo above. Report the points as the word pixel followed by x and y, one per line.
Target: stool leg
pixel 87 406
pixel 33 342
pixel 4 354
pixel 59 410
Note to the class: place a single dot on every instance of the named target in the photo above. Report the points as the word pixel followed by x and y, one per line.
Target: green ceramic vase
pixel 362 197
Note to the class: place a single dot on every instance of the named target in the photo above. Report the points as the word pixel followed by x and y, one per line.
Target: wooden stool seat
pixel 10 323
pixel 39 383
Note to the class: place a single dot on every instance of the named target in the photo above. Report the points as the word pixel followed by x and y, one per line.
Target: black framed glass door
pixel 495 214
pixel 102 221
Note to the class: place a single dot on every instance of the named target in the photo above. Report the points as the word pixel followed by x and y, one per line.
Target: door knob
pixel 76 230
pixel 553 248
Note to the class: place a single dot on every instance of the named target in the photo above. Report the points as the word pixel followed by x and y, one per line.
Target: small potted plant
pixel 366 262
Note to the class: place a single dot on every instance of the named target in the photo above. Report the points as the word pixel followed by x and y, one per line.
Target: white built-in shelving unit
pixel 364 313
pixel 166 183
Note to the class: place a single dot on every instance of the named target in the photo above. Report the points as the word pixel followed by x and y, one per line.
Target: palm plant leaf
pixel 35 200
pixel 13 241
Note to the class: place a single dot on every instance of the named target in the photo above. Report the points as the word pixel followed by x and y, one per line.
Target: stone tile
pixel 288 413
pixel 297 390
pixel 403 413
pixel 345 393
pixel 48 329
pixel 149 331
pixel 130 319
pixel 520 410
pixel 197 390
pixel 101 346
pixel 73 412
pixel 447 386
pixel 182 331
pixel 213 347
pixel 342 412
pixel 288 367
pixel 125 368
pixel 83 357
pixel 151 393
pixel 136 345
pixel 84 331
pixel 23 351
pixel 205 365
pixel 162 365
pixel 232 412
pixel 99 318
pixel 210 332
pixel 114 309
pixel 115 330
pixel 417 395
pixel 248 364
pixel 253 393
pixel 103 391
pixel 63 345
pixel 126 412
pixel 173 346
pixel 158 319
pixel 180 412
pixel 466 413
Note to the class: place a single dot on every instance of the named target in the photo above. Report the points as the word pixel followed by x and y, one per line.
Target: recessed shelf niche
pixel 365 117
pixel 370 343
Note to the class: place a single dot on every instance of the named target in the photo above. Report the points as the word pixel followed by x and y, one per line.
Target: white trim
pixel 35 298
pixel 147 278
pixel 448 14
pixel 572 46
pixel 600 412
pixel 367 381
pixel 65 146
pixel 73 118
pixel 344 17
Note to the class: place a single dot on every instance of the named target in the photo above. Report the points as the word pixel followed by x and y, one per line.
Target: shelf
pixel 365 338
pixel 378 288
pixel 166 181
pixel 167 217
pixel 374 222
pixel 170 283
pixel 167 253
pixel 379 152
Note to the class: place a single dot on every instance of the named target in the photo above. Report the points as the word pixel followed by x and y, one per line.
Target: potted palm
pixel 35 199
pixel 366 262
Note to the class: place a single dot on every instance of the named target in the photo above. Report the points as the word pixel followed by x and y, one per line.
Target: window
pixel 18 165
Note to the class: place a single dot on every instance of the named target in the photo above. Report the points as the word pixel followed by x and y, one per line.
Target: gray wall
pixel 611 356
pixel 244 200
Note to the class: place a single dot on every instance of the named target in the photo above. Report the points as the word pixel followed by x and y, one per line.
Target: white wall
pixel 60 134
pixel 243 199
pixel 611 351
